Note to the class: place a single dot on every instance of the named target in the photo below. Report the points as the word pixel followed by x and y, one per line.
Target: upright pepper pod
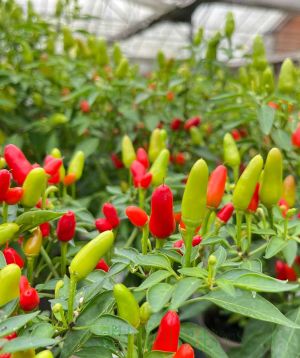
pixel 268 80
pixel 225 213
pixel 138 171
pixel 33 187
pixel 287 77
pixel 4 183
pixel 137 216
pixel 271 186
pixel 62 171
pixel 128 153
pixel 122 69
pixel 46 354
pixel 87 258
pixel 12 257
pixel 162 222
pixel 289 190
pixel 66 225
pixel 159 168
pixel 246 184
pixel 259 53
pixel 216 187
pixel 33 245
pixel 111 214
pixel 231 153
pixel 196 136
pixel 212 47
pixel 29 298
pixel 253 205
pixel 17 162
pixel 142 157
pixel 156 144
pixel 102 224
pixel 76 164
pixel 9 283
pixel 185 351
pixel 192 122
pixel 193 204
pixel 7 232
pixel 13 195
pixel 229 25
pixel 128 308
pixel 168 333
pixel 145 312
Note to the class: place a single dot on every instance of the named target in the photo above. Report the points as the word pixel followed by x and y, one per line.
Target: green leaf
pixel 201 339
pixel 41 330
pixel 157 354
pixel 226 286
pixel 12 324
pixel 286 341
pixel 159 295
pixel 183 290
pixel 153 260
pixel 94 352
pixel 33 218
pixel 266 116
pixel 221 255
pixel 252 265
pixel 153 279
pixel 282 139
pixel 193 272
pixel 275 245
pixel 249 305
pixel 24 343
pixel 88 146
pixel 113 326
pixel 290 252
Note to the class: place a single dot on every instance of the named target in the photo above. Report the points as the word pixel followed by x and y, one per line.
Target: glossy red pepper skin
pixel 146 181
pixel 253 205
pixel 102 224
pixel 216 187
pixel 162 222
pixel 137 216
pixel 168 333
pixel 4 183
pixel 295 139
pixel 138 171
pixel 29 298
pixel 52 165
pixel 180 243
pixel 225 213
pixel 192 122
pixel 185 351
pixel 236 134
pixel 111 214
pixel 142 157
pixel 14 195
pixel 12 257
pixel 180 158
pixel 69 179
pixel 176 124
pixel 45 229
pixel 102 265
pixel 17 162
pixel 117 162
pixel 284 271
pixel 66 225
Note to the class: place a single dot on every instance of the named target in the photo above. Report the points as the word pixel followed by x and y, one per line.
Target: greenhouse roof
pixel 145 26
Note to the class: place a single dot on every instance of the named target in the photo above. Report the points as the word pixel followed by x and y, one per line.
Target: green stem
pixel 131 238
pixel 285 228
pixel 249 233
pixel 188 237
pixel 271 217
pixel 63 258
pixel 49 262
pixel 145 239
pixel 236 174
pixel 72 291
pixel 239 218
pixel 141 198
pixel 30 266
pixel 262 247
pixel 140 342
pixel 4 212
pixel 159 243
pixel 73 191
pixel 205 222
pixel 130 346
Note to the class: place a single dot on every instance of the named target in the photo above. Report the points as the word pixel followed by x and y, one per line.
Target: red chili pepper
pixel 284 206
pixel 146 181
pixel 216 187
pixel 170 96
pixel 17 162
pixel 137 216
pixel 102 265
pixel 69 179
pixel 176 124
pixel 177 217
pixel 236 134
pixel 180 243
pixel 273 105
pixel 168 333
pixel 180 158
pixel 296 137
pixel 102 224
pixel 13 195
pixel 138 171
pixel 11 336
pixel 111 214
pixel 12 257
pixel 185 351
pixel 142 157
pixel 65 230
pixel 85 106
pixel 284 271
pixel 192 122
pixel 252 207
pixel 29 298
pixel 162 223
pixel 117 162
pixel 225 213
pixel 4 183
pixel 52 165
pixel 45 229
pixel 55 179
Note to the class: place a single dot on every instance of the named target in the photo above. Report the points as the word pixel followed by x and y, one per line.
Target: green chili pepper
pixel 287 77
pixel 29 353
pixel 128 152
pixel 68 39
pixel 117 53
pixel 246 184
pixel 243 76
pixel 159 168
pixel 196 136
pixel 197 40
pixel 44 354
pixel 87 258
pixel 259 54
pixel 156 144
pixel 33 245
pixel 33 187
pixel 145 312
pixel 101 52
pixel 289 190
pixel 268 80
pixel 76 164
pixel 231 152
pixel 271 186
pixel 229 25
pixel 128 308
pixel 122 68
pixel 7 232
pixel 212 46
pixel 193 204
pixel 9 283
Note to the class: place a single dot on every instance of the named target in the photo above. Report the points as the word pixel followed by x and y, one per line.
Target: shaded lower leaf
pixel 275 245
pixel 183 290
pixel 159 295
pixel 153 279
pixel 12 324
pixel 24 343
pixel 113 326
